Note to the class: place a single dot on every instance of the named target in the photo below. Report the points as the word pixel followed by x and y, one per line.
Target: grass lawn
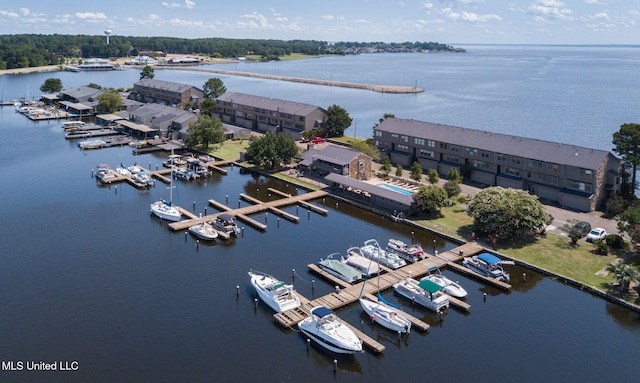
pixel 230 150
pixel 551 252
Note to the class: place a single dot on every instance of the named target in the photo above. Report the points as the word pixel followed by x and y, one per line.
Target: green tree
pixel 573 233
pixel 399 170
pixel 204 131
pixel 626 143
pixel 416 171
pixel 208 106
pixel 629 220
pixel 147 72
pixel 507 213
pixel 110 101
pixel 624 274
pixel 51 85
pixel 429 199
pixel 366 148
pixel 272 150
pixel 213 88
pixel 433 176
pixel 453 175
pixel 452 188
pixel 386 167
pixel 337 121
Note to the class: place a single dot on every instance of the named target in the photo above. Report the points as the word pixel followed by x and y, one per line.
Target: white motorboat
pixel 425 293
pixel 123 171
pixel 92 144
pixel 134 169
pixel 372 250
pixel 143 178
pixel 411 253
pixel 488 265
pixel 274 292
pixel 448 286
pixel 204 231
pixel 386 316
pixel 325 328
pixel 339 269
pixel 105 174
pixel 226 223
pixel 363 264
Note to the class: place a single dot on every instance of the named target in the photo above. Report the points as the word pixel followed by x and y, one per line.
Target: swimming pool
pixel 395 189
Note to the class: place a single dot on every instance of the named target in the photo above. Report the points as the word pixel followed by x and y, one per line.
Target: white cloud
pixel 427 5
pixel 171 5
pixel 255 20
pixel 549 9
pixel 24 11
pixel 469 16
pixel 8 14
pixel 91 16
pixel 154 17
pixel 187 4
pixel 187 23
pixel 327 17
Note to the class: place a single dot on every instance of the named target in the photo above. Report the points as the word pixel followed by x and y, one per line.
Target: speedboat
pixel 204 231
pixel 386 316
pixel 372 250
pixel 123 171
pixel 411 253
pixel 488 265
pixel 326 329
pixel 225 223
pixel 143 178
pixel 339 269
pixel 425 293
pixel 277 294
pixel 105 174
pixel 448 286
pixel 366 266
pixel 166 210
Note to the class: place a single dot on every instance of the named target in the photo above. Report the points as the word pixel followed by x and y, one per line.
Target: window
pixel 480 164
pixel 586 173
pixel 485 154
pixel 577 185
pixel 455 148
pixel 402 148
pixel 444 146
pixel 378 133
pixel 404 138
pixel 431 143
pixel 451 158
pixel 427 153
pixel 516 160
pixel 471 151
pixel 419 141
pixel 394 136
pixel 512 171
pixel 501 157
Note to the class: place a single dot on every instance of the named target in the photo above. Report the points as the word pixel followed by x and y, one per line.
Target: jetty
pixel 353 85
pixel 347 293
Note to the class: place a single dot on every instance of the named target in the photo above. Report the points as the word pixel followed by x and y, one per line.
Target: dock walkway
pixel 347 293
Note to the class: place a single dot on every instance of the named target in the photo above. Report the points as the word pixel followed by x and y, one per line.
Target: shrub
pixel 601 247
pixel 614 241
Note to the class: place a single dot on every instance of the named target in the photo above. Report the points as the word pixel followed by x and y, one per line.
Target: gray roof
pixel 565 154
pixel 167 85
pixel 158 110
pixel 267 103
pixel 404 199
pixel 82 92
pixel 331 153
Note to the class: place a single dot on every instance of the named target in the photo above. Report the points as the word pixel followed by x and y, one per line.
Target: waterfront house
pixel 160 119
pixel 337 159
pixel 166 92
pixel 81 100
pixel 574 177
pixel 265 114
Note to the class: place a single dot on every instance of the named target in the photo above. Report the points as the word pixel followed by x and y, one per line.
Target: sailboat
pixel 165 209
pixel 382 314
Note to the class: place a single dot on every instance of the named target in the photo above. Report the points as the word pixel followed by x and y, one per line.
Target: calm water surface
pixel 87 275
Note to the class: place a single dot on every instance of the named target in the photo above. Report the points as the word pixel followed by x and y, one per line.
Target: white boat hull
pixel 333 335
pixel 169 212
pixel 204 231
pixel 409 289
pixel 275 293
pixel 386 316
pixel 448 286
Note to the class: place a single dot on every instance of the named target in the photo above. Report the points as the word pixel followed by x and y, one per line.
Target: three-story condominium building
pixel 574 177
pixel 165 92
pixel 267 114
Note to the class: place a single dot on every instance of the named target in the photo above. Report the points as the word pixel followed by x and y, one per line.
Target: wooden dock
pixel 347 293
pixel 244 212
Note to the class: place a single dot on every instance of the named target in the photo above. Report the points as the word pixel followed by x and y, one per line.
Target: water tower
pixel 107 33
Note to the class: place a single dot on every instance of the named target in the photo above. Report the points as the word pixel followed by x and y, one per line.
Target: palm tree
pixel 624 274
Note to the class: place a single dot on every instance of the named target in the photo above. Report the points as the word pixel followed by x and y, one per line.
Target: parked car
pixel 582 227
pixel 596 234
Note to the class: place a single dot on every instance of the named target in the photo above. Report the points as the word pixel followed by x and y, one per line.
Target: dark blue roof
pixel 321 311
pixel 489 258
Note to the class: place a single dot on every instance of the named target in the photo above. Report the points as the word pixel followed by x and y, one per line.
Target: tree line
pixel 31 50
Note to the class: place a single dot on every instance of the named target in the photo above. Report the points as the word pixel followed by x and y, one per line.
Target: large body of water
pixel 87 275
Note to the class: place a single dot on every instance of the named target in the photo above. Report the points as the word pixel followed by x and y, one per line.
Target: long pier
pixel 347 293
pixel 258 206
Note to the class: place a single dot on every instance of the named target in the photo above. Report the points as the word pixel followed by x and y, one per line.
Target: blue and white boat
pixel 488 265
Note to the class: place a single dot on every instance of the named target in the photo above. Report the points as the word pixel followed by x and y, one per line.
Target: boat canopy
pixel 321 311
pixel 489 258
pixel 429 286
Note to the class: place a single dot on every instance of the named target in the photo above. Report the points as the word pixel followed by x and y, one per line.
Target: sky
pixel 444 21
